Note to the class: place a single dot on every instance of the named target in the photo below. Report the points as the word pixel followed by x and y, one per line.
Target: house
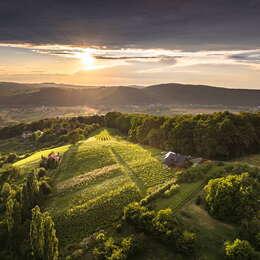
pixel 54 156
pixel 27 134
pixel 51 162
pixel 176 159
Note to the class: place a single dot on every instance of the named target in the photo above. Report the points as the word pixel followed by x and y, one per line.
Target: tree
pixel 37 233
pixel 13 216
pixel 43 240
pixel 51 251
pixel 232 198
pixel 239 250
pixel 6 191
pixel 30 193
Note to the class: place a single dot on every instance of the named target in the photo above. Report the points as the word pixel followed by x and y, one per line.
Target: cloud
pixel 248 57
pixel 190 25
pixel 106 57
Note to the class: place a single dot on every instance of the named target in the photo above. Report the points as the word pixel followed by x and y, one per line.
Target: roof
pixel 177 159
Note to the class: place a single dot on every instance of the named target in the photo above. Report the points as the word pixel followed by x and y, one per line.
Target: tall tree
pixel 44 243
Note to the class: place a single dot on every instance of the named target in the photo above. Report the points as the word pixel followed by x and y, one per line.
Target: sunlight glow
pixel 87 59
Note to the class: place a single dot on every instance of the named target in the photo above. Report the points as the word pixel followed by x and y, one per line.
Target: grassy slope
pixel 111 172
pixel 32 161
pixel 102 174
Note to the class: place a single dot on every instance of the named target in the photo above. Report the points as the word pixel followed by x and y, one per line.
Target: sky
pixel 131 42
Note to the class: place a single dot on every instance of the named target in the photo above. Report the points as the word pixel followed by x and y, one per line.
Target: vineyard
pixel 101 175
pixel 97 178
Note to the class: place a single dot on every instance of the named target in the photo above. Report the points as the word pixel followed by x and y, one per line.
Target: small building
pixel 54 156
pixel 176 159
pixel 51 162
pixel 27 134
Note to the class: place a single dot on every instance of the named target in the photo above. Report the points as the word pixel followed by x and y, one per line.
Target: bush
pixel 173 190
pixel 163 225
pixel 41 172
pixel 139 215
pixel 157 193
pixel 232 198
pixel 108 248
pixel 45 188
pixel 187 242
pixel 239 249
pixel 11 158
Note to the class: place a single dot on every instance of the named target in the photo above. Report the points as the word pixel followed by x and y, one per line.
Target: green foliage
pixel 163 225
pixel 220 135
pixel 51 162
pixel 239 250
pixel 250 230
pixel 6 191
pixel 158 192
pixel 232 198
pixel 30 193
pixel 172 190
pixel 37 233
pixel 13 216
pixel 107 248
pixel 43 240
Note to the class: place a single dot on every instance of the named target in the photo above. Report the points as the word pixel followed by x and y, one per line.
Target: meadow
pixel 97 178
pixel 100 175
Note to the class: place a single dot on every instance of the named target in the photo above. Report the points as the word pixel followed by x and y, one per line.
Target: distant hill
pixel 50 94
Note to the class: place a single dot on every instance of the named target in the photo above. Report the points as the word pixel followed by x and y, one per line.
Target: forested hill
pixel 168 94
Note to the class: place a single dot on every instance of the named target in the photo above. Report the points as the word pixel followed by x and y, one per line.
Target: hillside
pixel 102 174
pixel 165 94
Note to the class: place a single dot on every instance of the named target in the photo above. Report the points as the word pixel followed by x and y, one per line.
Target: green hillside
pixel 96 179
pixel 100 175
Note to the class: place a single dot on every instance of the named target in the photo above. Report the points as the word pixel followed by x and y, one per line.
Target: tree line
pixel 221 135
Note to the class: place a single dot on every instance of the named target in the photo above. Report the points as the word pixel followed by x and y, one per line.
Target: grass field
pixel 186 192
pixel 211 233
pixel 253 159
pixel 96 179
pixel 99 176
pixel 32 161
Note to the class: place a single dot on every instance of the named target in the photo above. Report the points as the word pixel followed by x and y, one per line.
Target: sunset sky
pixel 131 42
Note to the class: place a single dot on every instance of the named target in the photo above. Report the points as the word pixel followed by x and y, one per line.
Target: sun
pixel 87 59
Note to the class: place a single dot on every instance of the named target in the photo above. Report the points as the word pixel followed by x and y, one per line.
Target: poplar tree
pixel 51 241
pixel 44 243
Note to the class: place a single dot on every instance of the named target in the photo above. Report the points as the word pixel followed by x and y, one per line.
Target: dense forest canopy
pixel 221 135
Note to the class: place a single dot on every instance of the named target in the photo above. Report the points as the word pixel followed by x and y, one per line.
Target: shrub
pixel 187 242
pixel 163 225
pixel 239 249
pixel 11 158
pixel 158 192
pixel 232 198
pixel 138 215
pixel 45 188
pixel 41 172
pixel 108 248
pixel 172 190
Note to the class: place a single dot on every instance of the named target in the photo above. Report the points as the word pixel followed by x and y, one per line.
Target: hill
pixel 164 94
pixel 101 174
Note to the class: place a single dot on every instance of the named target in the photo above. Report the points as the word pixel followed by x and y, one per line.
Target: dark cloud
pixel 190 24
pixel 250 57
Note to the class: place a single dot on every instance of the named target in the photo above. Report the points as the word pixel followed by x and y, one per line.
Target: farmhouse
pixel 176 159
pixel 26 134
pixel 51 162
pixel 54 156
